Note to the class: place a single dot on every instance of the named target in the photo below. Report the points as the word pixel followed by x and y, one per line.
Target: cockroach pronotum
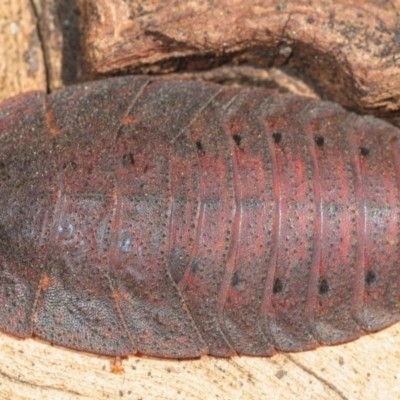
pixel 176 219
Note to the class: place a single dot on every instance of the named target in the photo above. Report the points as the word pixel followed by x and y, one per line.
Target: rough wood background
pixel 44 54
pixel 349 49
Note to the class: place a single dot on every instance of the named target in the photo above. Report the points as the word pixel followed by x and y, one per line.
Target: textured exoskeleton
pixel 176 219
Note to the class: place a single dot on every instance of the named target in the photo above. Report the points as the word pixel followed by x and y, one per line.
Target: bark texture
pixel 349 50
pixel 179 219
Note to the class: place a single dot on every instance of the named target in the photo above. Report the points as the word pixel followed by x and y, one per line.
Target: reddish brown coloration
pixel 176 219
pixel 116 366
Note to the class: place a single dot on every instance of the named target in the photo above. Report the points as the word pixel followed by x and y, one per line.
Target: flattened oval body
pixel 176 219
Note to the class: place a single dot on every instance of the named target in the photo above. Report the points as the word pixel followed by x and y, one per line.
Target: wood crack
pixel 40 36
pixel 30 384
pixel 309 371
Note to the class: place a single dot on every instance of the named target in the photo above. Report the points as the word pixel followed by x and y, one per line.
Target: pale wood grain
pixel 365 369
pixel 21 56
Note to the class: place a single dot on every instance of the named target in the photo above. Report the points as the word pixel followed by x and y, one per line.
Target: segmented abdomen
pixel 176 219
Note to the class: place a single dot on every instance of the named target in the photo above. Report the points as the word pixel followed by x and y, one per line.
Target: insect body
pixel 176 219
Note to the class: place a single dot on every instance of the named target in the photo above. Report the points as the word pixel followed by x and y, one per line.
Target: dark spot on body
pixel 277 137
pixel 237 139
pixel 323 287
pixel 195 267
pixel 319 140
pixel 74 165
pixel 3 172
pixel 310 20
pixel 235 279
pixel 278 286
pixel 200 147
pixel 370 277
pixel 364 151
pixel 128 160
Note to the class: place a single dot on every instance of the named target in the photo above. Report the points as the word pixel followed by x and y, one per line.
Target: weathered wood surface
pixel 366 369
pixel 350 49
pixel 39 45
pixel 21 57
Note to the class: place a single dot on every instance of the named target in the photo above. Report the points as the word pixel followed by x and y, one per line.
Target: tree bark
pixel 348 50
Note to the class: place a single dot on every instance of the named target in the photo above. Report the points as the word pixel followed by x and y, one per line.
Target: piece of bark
pixel 247 75
pixel 349 50
pixel 21 56
pixel 60 35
